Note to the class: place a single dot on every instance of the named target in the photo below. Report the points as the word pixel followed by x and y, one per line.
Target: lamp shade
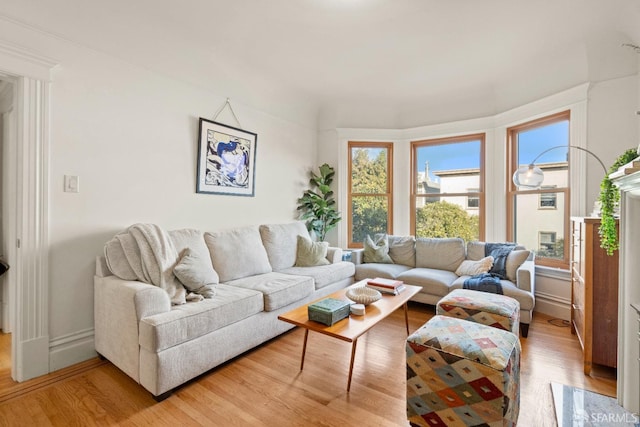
pixel 528 177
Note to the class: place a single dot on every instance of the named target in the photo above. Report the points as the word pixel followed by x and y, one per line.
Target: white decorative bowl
pixel 363 295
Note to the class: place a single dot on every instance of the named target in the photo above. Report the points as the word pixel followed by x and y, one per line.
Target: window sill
pixel 553 273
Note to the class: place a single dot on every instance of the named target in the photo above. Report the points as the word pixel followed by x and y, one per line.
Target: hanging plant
pixel 609 198
pixel 317 205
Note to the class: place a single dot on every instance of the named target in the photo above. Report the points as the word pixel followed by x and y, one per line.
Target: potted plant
pixel 609 198
pixel 317 205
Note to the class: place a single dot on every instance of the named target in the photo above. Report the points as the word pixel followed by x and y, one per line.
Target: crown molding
pixel 19 60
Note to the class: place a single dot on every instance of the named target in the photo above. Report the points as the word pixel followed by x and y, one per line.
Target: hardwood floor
pixel 265 387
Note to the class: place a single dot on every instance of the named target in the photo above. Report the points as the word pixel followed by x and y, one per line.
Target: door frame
pixel 30 338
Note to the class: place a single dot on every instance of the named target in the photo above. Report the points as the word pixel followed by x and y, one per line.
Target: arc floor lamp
pixel 530 177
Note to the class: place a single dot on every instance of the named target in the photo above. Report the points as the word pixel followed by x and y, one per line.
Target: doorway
pixel 25 187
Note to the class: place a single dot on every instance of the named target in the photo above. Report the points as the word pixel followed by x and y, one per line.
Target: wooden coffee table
pixel 351 328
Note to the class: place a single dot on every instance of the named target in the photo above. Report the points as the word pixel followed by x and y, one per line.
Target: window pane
pixel 448 168
pixel 554 163
pixel 540 229
pixel 446 217
pixel 369 216
pixel 368 170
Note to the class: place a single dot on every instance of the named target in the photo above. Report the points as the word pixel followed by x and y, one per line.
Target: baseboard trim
pixel 71 349
pixel 553 305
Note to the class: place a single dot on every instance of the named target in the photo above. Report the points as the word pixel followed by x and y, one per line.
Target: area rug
pixel 581 408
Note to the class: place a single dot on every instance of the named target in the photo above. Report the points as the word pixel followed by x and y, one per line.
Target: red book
pixel 385 283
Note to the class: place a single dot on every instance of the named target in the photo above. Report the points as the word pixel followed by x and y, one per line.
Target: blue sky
pixel 467 154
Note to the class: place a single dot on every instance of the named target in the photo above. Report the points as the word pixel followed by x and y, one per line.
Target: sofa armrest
pixel 334 255
pixel 357 256
pixel 526 276
pixel 118 307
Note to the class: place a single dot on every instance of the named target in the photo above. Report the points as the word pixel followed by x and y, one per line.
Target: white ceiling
pixel 407 62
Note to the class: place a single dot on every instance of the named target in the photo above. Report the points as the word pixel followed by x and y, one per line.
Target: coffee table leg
pixel 406 316
pixel 353 357
pixel 304 348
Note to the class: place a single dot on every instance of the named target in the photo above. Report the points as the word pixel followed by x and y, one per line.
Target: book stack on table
pixel 386 286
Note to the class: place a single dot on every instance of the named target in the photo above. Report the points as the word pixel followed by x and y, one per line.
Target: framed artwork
pixel 226 160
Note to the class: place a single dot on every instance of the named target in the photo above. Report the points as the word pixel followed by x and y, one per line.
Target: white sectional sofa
pixel 161 344
pixel 432 264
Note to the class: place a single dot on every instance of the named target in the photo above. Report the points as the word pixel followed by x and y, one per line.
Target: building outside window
pixel 548 200
pixel 370 197
pixel 473 202
pixel 538 219
pixel 546 241
pixel 447 190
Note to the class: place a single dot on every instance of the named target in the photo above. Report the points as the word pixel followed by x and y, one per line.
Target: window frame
pixel 481 191
pixel 513 191
pixel 389 194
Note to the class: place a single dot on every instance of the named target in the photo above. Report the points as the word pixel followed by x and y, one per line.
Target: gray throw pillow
pixel 195 274
pixel 377 251
pixel 515 259
pixel 311 254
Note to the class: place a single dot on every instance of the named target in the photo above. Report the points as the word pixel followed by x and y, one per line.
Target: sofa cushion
pixel 237 253
pixel 525 298
pixel 280 242
pixel 278 289
pixel 472 268
pixel 373 270
pixel 310 254
pixel 377 251
pixel 192 239
pixel 439 253
pixel 402 250
pixel 324 275
pixel 433 281
pixel 192 320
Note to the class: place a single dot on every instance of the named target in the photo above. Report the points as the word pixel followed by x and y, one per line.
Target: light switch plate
pixel 71 184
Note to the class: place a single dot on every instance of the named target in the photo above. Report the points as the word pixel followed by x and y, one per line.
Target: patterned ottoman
pixel 462 373
pixel 495 310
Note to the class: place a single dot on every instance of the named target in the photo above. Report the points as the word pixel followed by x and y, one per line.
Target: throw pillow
pixel 194 273
pixel 310 254
pixel 514 261
pixel 377 251
pixel 472 268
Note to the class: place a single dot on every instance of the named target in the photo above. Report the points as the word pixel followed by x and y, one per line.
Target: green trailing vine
pixel 609 198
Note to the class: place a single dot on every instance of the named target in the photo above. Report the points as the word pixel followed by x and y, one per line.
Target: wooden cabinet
pixel 594 294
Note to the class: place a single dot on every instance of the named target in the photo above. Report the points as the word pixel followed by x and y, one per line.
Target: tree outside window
pixel 448 187
pixel 370 190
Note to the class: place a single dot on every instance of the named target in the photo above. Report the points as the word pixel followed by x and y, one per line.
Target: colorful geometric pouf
pixel 462 373
pixel 495 310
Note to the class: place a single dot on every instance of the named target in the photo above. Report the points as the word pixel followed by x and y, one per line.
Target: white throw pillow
pixel 471 268
pixel 378 251
pixel 310 254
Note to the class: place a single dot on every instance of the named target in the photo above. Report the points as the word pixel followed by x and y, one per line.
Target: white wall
pixel 612 126
pixel 131 137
